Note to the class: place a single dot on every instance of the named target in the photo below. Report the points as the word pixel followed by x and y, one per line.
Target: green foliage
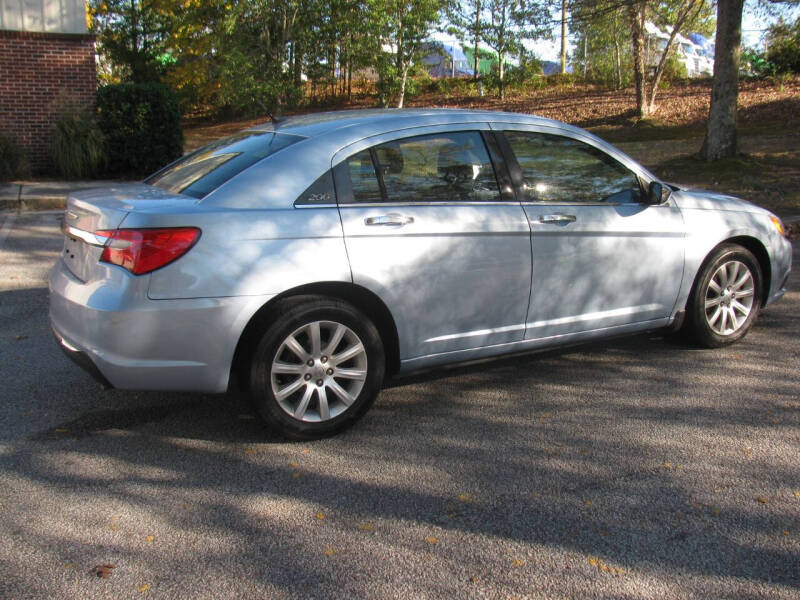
pixel 77 144
pixel 755 63
pixel 603 48
pixel 527 75
pixel 12 158
pixel 449 86
pixel 674 70
pixel 134 35
pixel 508 24
pixel 142 127
pixel 784 49
pixel 404 26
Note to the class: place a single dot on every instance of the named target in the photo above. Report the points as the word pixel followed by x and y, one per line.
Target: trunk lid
pixel 102 209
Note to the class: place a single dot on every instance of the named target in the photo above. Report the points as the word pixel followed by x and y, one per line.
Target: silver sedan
pixel 312 258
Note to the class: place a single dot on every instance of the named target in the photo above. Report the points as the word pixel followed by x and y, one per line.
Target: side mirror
pixel 656 193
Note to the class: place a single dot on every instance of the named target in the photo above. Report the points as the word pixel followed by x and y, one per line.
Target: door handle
pixel 557 218
pixel 392 219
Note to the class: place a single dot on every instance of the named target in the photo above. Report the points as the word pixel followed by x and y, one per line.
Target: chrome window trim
pixel 410 204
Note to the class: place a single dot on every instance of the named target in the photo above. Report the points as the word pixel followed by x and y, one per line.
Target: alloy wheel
pixel 729 297
pixel 319 371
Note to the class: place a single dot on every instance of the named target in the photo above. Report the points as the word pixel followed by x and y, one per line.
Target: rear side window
pixel 201 172
pixel 560 169
pixel 442 167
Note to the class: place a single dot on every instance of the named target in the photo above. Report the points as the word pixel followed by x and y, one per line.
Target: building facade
pixel 47 62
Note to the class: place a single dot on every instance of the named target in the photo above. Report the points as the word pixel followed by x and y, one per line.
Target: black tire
pixel 698 325
pixel 296 317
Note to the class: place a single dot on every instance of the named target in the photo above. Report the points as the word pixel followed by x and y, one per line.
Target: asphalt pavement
pixel 634 468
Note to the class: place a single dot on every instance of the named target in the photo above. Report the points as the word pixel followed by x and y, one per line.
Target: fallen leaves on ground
pixel 104 571
pixel 432 539
pixel 604 567
pixel 144 588
pixel 150 538
pixel 320 516
pixel 330 551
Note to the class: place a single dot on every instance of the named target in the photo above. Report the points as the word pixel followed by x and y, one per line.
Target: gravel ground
pixel 637 468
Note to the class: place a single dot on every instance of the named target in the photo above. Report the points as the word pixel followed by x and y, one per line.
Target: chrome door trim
pixel 525 346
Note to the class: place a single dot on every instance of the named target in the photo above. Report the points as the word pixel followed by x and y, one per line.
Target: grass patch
pixel 769 180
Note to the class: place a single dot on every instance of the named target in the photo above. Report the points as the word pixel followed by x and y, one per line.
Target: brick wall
pixel 38 73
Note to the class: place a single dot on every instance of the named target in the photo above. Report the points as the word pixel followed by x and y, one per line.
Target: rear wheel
pixel 317 368
pixel 727 296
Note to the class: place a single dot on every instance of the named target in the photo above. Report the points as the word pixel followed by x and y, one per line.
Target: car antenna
pixel 277 117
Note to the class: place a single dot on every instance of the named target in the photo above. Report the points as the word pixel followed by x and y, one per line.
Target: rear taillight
pixel 144 250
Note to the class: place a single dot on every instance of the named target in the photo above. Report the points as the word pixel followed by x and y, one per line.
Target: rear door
pixel 437 233
pixel 602 257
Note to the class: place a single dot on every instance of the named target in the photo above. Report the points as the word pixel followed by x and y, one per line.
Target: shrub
pixel 76 144
pixel 12 158
pixel 755 63
pixel 674 70
pixel 142 127
pixel 784 50
pixel 527 74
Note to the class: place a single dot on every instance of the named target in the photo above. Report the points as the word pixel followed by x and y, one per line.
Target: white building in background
pixel 698 60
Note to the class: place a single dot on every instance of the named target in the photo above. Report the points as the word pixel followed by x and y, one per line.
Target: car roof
pixel 376 121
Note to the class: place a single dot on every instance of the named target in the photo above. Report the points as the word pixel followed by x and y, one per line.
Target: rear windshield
pixel 202 171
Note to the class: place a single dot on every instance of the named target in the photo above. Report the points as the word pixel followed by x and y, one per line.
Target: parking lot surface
pixel 639 468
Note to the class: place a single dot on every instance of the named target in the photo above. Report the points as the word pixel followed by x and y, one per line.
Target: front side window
pixel 560 169
pixel 443 167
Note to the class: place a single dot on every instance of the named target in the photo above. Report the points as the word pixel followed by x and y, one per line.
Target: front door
pixel 601 256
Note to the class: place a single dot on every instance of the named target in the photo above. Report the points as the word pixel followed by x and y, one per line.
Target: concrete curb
pixel 42 195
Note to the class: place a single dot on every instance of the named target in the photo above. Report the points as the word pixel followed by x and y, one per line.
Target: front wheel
pixel 727 296
pixel 317 368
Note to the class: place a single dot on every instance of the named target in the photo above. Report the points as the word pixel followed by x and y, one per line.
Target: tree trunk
pixel 403 85
pixel 585 55
pixel 636 11
pixel 477 36
pixel 563 37
pixel 720 141
pixel 502 78
pixel 617 53
pixel 350 78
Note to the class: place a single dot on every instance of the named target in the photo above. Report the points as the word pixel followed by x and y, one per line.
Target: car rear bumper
pixel 81 359
pixel 112 329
